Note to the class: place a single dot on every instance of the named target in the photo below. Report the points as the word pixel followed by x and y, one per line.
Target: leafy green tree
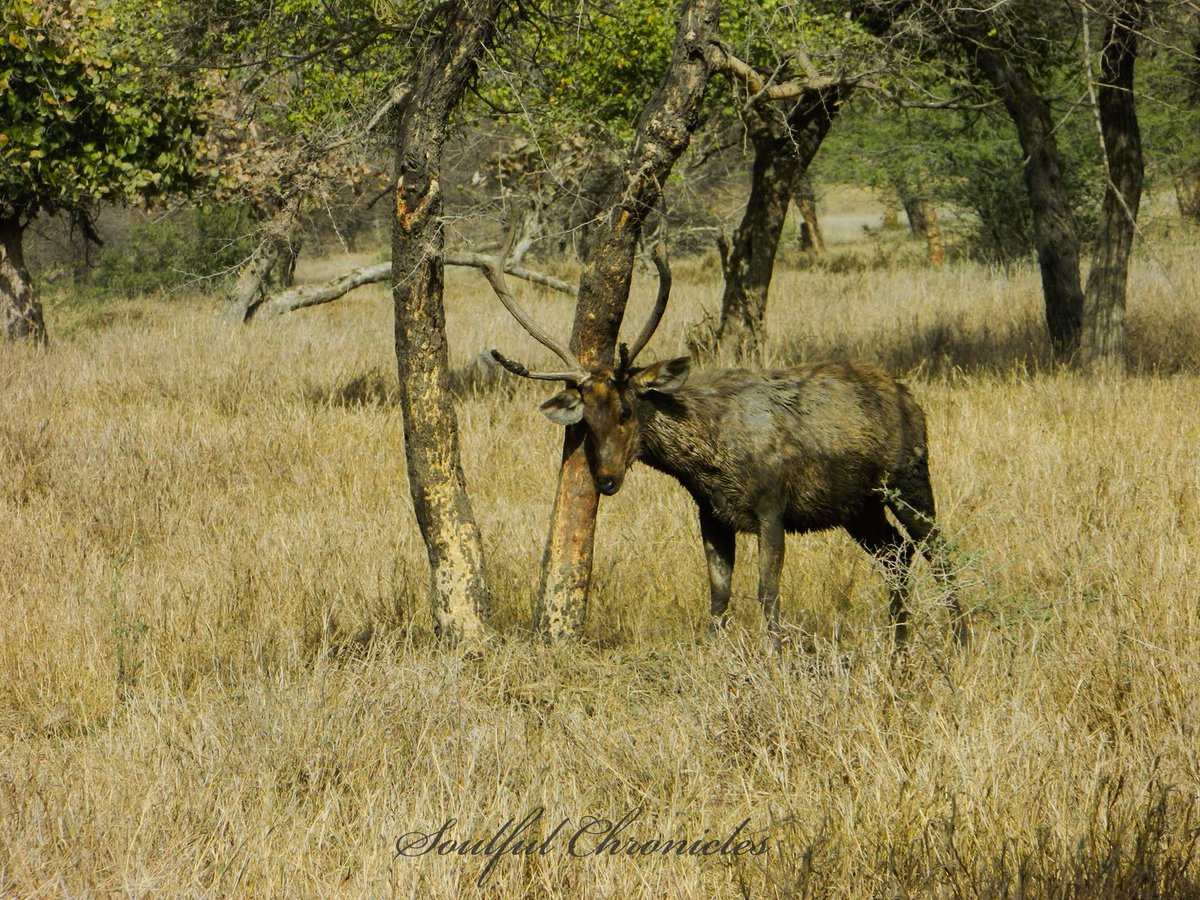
pixel 1169 77
pixel 967 159
pixel 82 120
pixel 1007 50
pixel 793 67
pixel 297 83
pixel 588 69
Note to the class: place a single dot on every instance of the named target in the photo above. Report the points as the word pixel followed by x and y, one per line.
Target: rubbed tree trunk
pixel 19 308
pixel 782 154
pixel 1103 338
pixel 663 134
pixel 254 277
pixel 458 588
pixel 1053 224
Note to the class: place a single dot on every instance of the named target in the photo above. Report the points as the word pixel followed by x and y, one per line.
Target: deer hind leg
pixel 720 545
pixel 770 565
pixel 915 509
pixel 883 540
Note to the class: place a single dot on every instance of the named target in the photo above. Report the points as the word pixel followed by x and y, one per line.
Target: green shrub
pixel 202 244
pixel 989 183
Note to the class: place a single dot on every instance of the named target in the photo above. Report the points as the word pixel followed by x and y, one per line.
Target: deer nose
pixel 607 485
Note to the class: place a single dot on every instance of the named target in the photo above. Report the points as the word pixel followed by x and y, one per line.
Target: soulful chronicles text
pixel 592 836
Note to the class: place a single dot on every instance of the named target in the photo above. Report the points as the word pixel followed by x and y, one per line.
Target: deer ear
pixel 564 408
pixel 665 377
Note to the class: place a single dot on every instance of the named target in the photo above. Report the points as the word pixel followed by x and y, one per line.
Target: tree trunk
pixel 458 587
pixel 749 261
pixel 287 270
pixel 1053 224
pixel 933 233
pixel 1103 338
pixel 19 308
pixel 914 209
pixel 1187 192
pixel 588 202
pixel 782 154
pixel 254 277
pixel 663 134
pixel 891 216
pixel 812 239
pixel 1186 175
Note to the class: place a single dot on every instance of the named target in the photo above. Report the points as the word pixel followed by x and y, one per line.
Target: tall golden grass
pixel 217 676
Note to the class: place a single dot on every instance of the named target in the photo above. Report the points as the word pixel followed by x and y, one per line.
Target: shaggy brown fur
pixel 769 452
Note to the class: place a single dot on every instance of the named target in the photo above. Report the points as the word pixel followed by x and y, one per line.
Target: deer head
pixel 605 399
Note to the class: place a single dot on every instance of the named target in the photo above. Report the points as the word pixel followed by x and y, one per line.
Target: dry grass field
pixel 217 676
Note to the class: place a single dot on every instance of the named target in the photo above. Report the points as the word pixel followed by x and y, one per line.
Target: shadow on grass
pixel 379 387
pixel 1163 345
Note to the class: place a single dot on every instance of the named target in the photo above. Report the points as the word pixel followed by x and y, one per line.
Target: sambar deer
pixel 764 452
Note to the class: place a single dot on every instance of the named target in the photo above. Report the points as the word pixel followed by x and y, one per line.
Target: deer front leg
pixel 770 564
pixel 720 545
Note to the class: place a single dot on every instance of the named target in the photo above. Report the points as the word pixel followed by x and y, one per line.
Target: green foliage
pixel 310 61
pixel 767 32
pixel 202 243
pixel 1168 76
pixel 968 161
pixel 566 68
pixel 82 119
pixel 581 65
pixel 296 82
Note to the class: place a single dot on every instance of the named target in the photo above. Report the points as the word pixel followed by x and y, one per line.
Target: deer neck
pixel 673 439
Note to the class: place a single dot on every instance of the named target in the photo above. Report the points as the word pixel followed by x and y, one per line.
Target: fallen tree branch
pixel 316 294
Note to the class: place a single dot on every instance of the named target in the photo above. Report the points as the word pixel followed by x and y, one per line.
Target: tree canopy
pixel 82 118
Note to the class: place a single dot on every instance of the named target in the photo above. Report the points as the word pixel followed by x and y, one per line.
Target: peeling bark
pixel 20 310
pixel 663 134
pixel 1103 337
pixel 458 588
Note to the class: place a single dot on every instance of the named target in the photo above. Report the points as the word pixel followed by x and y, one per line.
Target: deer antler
pixel 660 304
pixel 494 272
pixel 517 369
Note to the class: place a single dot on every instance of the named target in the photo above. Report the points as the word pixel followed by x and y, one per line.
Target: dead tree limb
pixel 307 295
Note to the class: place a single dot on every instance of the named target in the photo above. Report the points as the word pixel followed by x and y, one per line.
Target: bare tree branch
pixel 308 295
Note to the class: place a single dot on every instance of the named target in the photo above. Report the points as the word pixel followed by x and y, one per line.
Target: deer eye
pixel 626 414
